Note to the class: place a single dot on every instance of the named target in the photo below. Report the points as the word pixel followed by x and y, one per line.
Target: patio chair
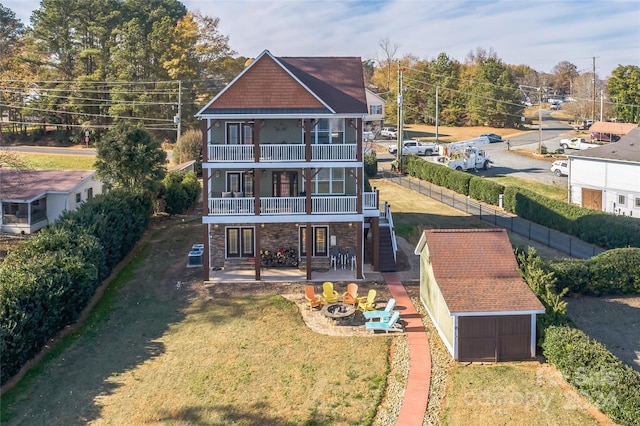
pixel 313 299
pixel 381 315
pixel 392 324
pixel 367 303
pixel 334 254
pixel 351 295
pixel 351 257
pixel 328 293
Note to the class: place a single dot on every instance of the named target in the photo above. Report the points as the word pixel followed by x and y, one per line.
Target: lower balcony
pixel 328 204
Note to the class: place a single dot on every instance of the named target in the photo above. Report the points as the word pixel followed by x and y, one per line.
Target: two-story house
pixel 283 177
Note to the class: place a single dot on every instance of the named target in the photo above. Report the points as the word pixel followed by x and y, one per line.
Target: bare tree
pixel 389 51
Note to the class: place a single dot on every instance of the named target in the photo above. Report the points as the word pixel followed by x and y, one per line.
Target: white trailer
pixel 448 149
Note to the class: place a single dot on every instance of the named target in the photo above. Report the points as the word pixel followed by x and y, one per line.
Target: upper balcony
pixel 281 153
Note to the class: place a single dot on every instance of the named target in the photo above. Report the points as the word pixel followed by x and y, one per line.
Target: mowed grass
pixel 555 192
pixel 159 353
pixel 512 394
pixel 58 161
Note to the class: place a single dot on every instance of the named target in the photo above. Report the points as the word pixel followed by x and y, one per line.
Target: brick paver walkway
pixel 416 394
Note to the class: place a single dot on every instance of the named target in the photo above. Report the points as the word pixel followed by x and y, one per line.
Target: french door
pixel 240 242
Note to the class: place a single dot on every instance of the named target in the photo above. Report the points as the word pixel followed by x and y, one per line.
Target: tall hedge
pixel 180 191
pixel 46 283
pixel 603 229
pixel 596 373
pixel 615 271
pixel 485 190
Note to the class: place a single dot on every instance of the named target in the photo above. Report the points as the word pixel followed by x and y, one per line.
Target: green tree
pixel 495 98
pixel 129 157
pixel 623 88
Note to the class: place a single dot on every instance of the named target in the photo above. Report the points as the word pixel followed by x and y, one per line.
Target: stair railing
pixel 389 216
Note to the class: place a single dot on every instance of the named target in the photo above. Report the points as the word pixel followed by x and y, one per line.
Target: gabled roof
pixel 627 149
pixel 476 271
pixel 612 128
pixel 29 185
pixel 293 85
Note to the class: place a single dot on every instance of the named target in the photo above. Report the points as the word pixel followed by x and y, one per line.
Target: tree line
pixel 483 90
pixel 81 65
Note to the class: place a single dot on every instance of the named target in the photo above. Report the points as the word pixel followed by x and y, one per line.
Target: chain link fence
pixel 565 243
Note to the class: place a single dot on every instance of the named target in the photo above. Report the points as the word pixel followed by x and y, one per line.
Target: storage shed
pixel 475 296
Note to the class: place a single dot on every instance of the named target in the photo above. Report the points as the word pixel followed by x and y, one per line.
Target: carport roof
pixel 476 271
pixel 612 128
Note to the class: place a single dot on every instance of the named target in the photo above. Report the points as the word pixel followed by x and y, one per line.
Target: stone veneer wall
pixel 284 235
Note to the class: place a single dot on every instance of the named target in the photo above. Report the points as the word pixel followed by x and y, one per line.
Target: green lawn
pixel 58 162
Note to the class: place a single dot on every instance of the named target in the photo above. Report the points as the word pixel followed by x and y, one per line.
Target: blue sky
pixel 538 33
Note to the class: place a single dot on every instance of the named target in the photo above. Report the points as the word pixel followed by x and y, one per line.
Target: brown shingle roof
pixel 476 271
pixel 26 185
pixel 300 84
pixel 612 128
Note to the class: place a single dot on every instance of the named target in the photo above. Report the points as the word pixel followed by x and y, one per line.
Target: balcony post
pixel 359 249
pixel 205 125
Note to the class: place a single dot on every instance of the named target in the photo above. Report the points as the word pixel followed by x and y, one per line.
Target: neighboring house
pixel 283 166
pixel 31 199
pixel 607 177
pixel 475 296
pixel 375 106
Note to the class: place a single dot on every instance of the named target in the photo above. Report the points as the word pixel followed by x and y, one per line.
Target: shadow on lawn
pixel 115 339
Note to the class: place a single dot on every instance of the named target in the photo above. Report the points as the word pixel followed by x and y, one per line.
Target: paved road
pixel 509 163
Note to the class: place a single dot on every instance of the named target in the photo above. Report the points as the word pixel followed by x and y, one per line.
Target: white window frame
pixel 328 131
pixel 637 203
pixel 333 180
pixel 622 200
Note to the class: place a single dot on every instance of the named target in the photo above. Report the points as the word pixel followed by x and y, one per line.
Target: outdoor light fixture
pixel 216 123
pixel 217 174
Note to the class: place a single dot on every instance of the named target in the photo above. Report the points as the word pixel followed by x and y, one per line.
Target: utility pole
pixel 601 105
pixel 540 120
pixel 178 118
pixel 400 118
pixel 437 113
pixel 593 92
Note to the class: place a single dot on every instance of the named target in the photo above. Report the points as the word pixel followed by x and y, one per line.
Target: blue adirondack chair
pixel 381 315
pixel 391 325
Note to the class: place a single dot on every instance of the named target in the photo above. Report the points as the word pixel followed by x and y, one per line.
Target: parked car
pixel 554 107
pixel 368 136
pixel 413 147
pixel 389 132
pixel 492 137
pixel 606 137
pixel 560 168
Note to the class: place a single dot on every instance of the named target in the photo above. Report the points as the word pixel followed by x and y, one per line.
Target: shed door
pixel 592 199
pixel 477 338
pixel 494 338
pixel 514 337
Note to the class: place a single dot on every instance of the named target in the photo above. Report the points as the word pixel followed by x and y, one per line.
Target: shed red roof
pixel 476 271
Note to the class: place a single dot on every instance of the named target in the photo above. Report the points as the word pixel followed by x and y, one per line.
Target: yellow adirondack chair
pixel 312 299
pixel 351 296
pixel 328 293
pixel 367 303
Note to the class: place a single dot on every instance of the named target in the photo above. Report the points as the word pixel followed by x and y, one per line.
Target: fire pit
pixel 339 313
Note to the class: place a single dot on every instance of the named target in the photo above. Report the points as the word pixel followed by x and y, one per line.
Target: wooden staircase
pixel 386 259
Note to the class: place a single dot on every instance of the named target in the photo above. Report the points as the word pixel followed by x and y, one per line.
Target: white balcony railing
pixel 282 205
pixel 326 204
pixel 281 152
pixel 329 204
pixel 231 206
pixel 369 200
